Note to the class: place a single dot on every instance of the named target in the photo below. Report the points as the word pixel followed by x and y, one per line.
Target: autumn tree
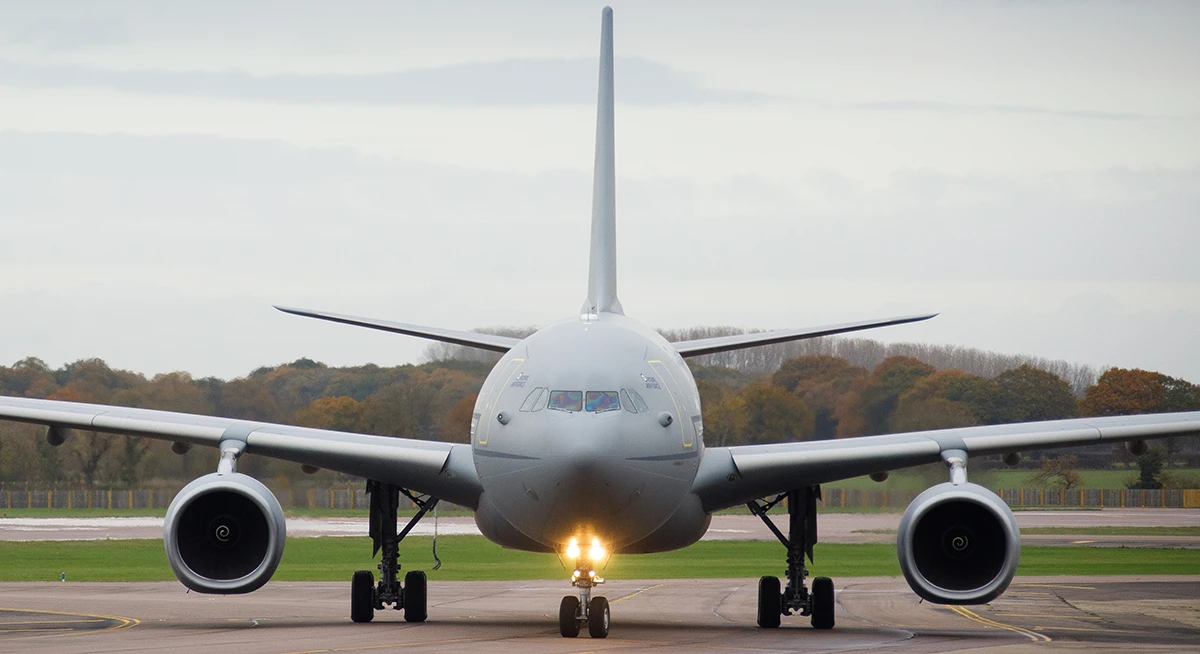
pixel 724 414
pixel 336 413
pixel 867 407
pixel 1057 472
pixel 819 381
pixel 1150 467
pixel 456 427
pixel 1027 394
pixel 1125 392
pixel 774 415
pixel 928 405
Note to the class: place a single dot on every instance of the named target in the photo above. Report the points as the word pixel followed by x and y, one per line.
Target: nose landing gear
pixel 802 535
pixel 574 612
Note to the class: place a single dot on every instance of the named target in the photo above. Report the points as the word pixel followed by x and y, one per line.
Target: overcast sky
pixel 168 171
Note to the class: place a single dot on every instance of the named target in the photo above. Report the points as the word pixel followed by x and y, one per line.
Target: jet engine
pixel 224 533
pixel 958 544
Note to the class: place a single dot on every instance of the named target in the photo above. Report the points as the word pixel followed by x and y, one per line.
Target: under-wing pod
pixel 958 544
pixel 224 533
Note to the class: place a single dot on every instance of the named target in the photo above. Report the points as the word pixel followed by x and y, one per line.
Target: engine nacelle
pixel 224 533
pixel 958 544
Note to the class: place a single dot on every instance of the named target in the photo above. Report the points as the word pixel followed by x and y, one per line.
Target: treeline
pixel 860 352
pixel 815 396
pixel 431 401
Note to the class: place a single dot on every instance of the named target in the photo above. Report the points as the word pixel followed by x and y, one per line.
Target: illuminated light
pixel 597 550
pixel 575 575
pixel 591 573
pixel 573 549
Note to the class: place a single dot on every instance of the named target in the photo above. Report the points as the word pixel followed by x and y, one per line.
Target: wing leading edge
pixel 469 339
pixel 730 476
pixel 704 346
pixel 444 470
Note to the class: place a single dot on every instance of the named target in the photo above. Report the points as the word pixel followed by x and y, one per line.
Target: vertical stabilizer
pixel 602 270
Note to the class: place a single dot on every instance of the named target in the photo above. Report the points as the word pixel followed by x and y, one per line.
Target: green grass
pixel 1085 531
pixel 474 558
pixel 1115 531
pixel 159 513
pixel 920 479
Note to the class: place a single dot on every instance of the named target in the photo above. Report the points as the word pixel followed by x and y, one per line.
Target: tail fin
pixel 602 270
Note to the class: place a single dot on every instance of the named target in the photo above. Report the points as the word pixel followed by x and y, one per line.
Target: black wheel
pixel 414 596
pixel 598 617
pixel 770 602
pixel 362 596
pixel 568 617
pixel 822 603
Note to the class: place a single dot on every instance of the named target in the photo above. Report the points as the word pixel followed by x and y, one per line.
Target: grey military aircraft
pixel 586 440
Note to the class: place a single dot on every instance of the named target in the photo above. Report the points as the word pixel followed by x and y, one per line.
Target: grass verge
pixel 474 558
pixel 161 512
pixel 1114 531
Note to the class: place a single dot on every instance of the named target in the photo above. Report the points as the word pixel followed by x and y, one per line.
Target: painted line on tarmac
pixel 1107 631
pixel 634 594
pixel 1057 586
pixel 975 617
pixel 124 623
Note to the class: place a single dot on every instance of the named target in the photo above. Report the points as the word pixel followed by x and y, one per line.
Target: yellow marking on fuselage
pixel 489 405
pixel 671 394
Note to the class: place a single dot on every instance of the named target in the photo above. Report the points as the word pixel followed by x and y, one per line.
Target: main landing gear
pixel 365 595
pixel 574 612
pixel 802 535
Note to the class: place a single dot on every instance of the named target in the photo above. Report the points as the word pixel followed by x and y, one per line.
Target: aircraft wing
pixel 704 346
pixel 730 476
pixel 444 470
pixel 469 339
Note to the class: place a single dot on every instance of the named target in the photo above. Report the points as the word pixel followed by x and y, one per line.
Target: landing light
pixel 573 549
pixel 597 550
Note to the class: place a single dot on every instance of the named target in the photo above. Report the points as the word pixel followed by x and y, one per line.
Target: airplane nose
pixel 590 476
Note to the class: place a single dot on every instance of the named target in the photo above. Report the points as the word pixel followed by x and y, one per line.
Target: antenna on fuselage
pixel 602 268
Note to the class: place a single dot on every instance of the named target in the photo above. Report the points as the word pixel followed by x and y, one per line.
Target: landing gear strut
pixel 802 535
pixel 574 612
pixel 365 595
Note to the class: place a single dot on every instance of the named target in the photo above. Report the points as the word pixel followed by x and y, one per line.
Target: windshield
pixel 566 400
pixel 601 401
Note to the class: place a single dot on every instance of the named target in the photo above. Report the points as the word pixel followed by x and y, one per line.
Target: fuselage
pixel 589 428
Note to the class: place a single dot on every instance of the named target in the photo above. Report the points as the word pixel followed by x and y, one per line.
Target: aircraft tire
pixel 568 617
pixel 822 595
pixel 415 595
pixel 598 617
pixel 770 603
pixel 362 596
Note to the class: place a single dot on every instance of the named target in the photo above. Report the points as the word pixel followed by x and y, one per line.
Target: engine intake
pixel 958 544
pixel 224 533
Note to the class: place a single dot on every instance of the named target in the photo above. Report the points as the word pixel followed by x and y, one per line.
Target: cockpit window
pixel 566 400
pixel 601 401
pixel 534 402
pixel 626 403
pixel 638 401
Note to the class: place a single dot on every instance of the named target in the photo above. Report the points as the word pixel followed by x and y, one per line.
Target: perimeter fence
pixel 350 498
